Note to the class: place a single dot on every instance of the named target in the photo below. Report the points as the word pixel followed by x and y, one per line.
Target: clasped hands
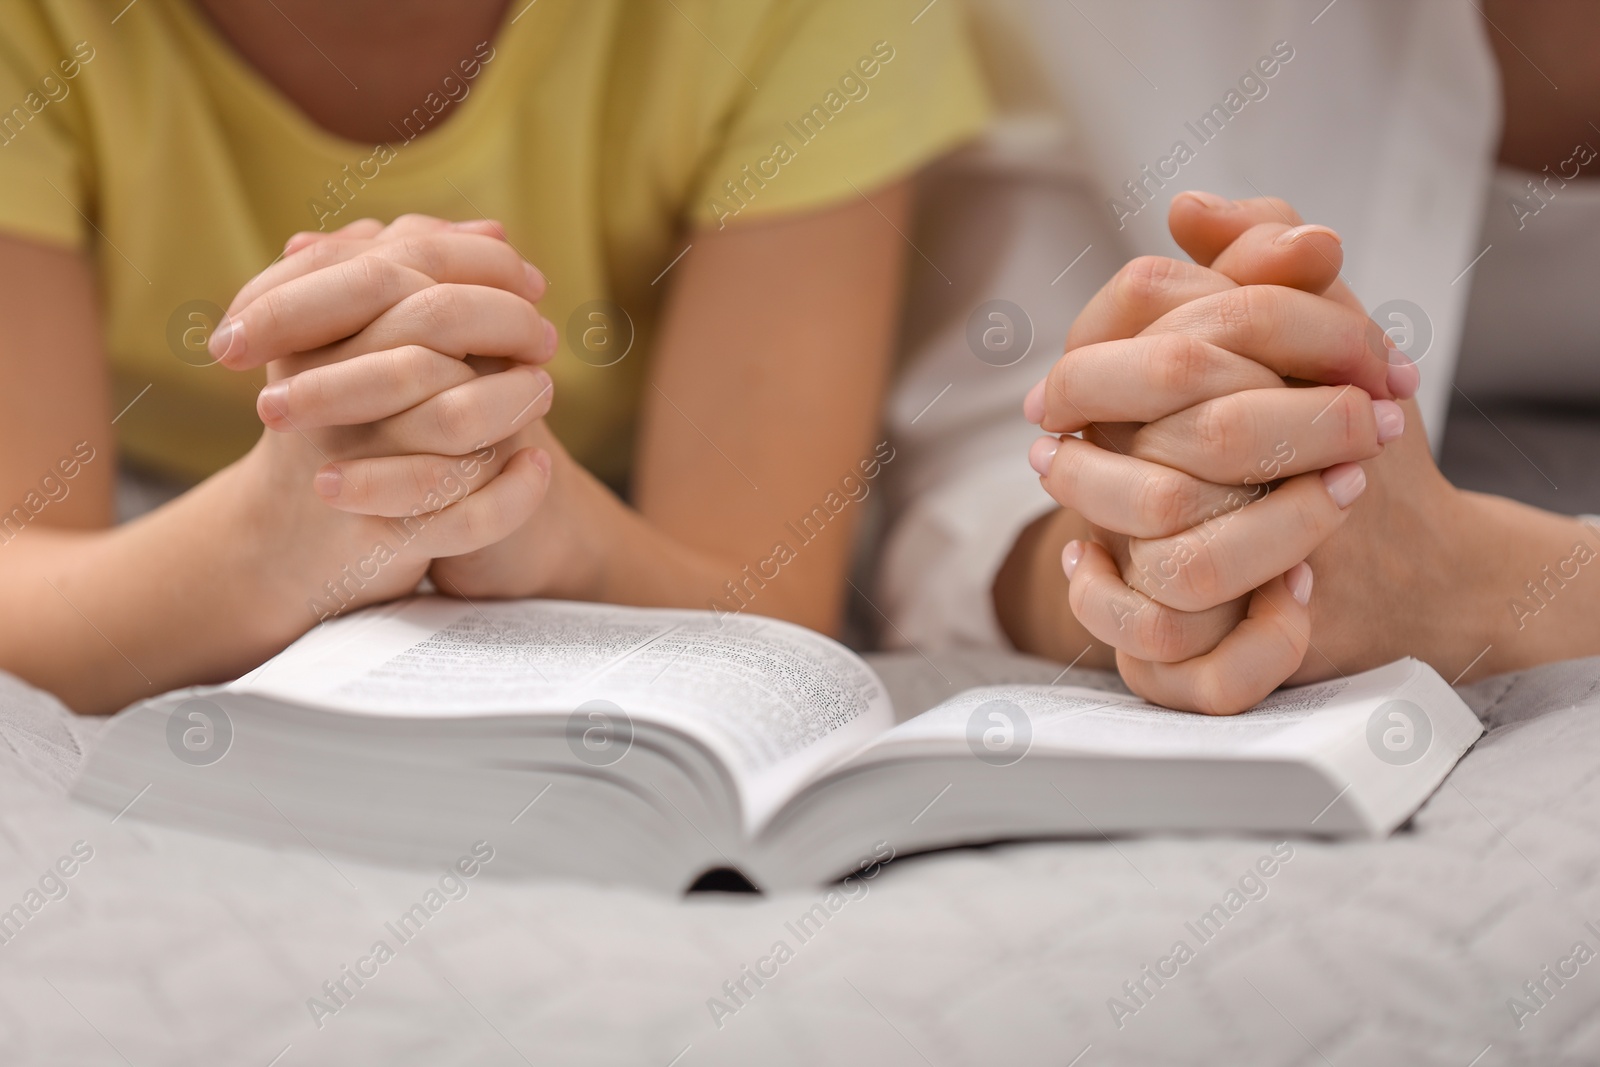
pixel 1233 411
pixel 404 395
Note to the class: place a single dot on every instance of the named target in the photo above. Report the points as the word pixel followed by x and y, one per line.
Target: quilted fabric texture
pixel 1455 942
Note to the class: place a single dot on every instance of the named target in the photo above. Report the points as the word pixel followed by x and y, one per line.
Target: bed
pixel 1467 939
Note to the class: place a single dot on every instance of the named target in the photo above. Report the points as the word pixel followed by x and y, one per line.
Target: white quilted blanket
pixel 1468 938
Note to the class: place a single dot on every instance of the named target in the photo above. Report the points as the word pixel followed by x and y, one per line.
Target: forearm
pixel 1030 594
pixel 1530 588
pixel 622 558
pixel 185 595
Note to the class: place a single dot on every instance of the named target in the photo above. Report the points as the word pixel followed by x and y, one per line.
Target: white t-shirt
pixel 1378 118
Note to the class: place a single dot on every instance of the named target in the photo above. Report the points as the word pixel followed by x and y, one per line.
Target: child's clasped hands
pixel 402 362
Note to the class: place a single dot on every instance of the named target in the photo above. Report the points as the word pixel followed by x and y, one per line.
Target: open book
pixel 650 747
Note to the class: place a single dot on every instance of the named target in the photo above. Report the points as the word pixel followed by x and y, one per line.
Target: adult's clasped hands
pixel 1251 461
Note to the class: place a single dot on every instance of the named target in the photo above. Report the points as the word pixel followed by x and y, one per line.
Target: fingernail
pixel 227 341
pixel 1299 579
pixel 1345 482
pixel 535 278
pixel 327 482
pixel 550 338
pixel 541 459
pixel 1033 404
pixel 1042 452
pixel 1209 201
pixel 272 401
pixel 1403 378
pixel 1289 237
pixel 1391 420
pixel 1070 555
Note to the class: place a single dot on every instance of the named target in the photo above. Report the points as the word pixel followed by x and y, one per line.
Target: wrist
pixel 1455 602
pixel 597 548
pixel 265 546
pixel 558 552
pixel 1030 593
pixel 575 528
pixel 295 560
pixel 609 553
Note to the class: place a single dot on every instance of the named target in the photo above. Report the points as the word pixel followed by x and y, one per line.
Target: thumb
pixel 1204 223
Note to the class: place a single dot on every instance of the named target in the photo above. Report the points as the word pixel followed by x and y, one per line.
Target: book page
pixel 918 683
pixel 775 701
pixel 990 720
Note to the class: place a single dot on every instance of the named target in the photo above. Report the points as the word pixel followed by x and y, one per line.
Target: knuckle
pixel 1198 582
pixel 1212 693
pixel 1222 424
pixel 1351 347
pixel 1179 363
pixel 272 311
pixel 369 273
pixel 411 220
pixel 1163 501
pixel 1239 437
pixel 419 481
pixel 326 252
pixel 1251 312
pixel 1312 513
pixel 1233 312
pixel 369 270
pixel 1161 635
pixel 1122 612
pixel 408 363
pixel 422 253
pixel 309 393
pixel 454 418
pixel 1142 279
pixel 1356 428
pixel 486 519
pixel 419 363
pixel 475 525
pixel 434 309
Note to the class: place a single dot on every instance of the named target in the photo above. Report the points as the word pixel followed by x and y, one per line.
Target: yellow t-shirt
pixel 598 131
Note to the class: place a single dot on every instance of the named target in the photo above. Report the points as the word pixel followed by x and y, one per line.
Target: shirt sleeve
pixel 42 183
pixel 960 487
pixel 855 95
